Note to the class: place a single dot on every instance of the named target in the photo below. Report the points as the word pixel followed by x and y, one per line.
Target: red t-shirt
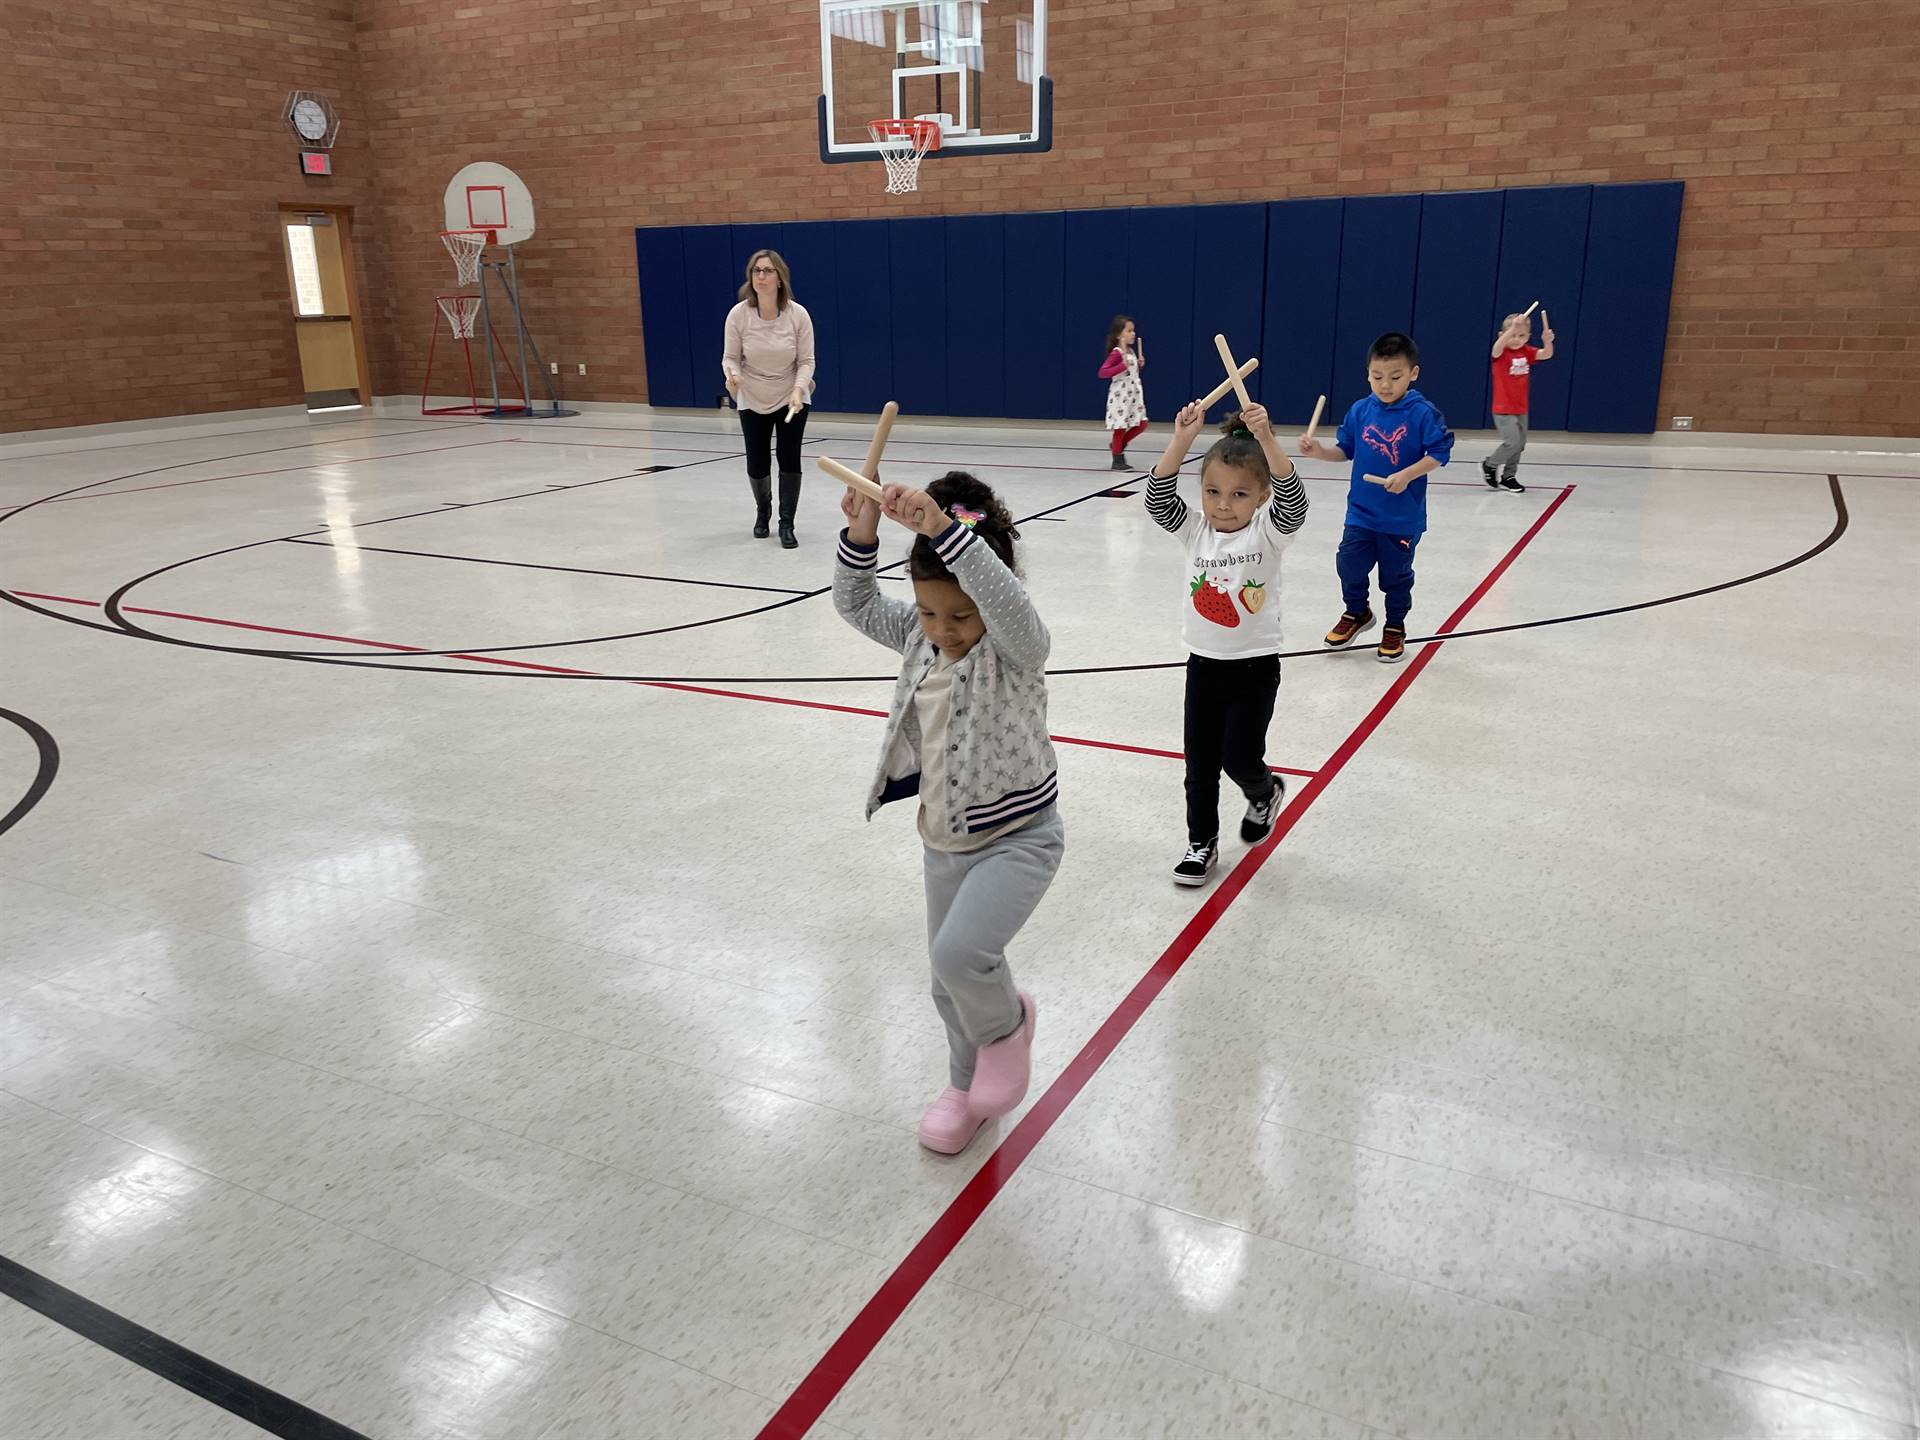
pixel 1513 380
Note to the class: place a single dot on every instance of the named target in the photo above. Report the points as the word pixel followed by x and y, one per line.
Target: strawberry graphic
pixel 1214 601
pixel 1253 595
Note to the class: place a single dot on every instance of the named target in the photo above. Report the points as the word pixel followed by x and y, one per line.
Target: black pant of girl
pixel 764 434
pixel 1229 705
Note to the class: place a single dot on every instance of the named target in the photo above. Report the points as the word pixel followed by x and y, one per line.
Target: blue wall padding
pixel 1543 252
pixel 1033 309
pixel 919 321
pixel 663 317
pixel 1452 296
pixel 1005 314
pixel 808 248
pixel 1093 290
pixel 1379 242
pixel 1160 251
pixel 1632 236
pixel 713 285
pixel 975 319
pixel 862 316
pixel 1302 284
pixel 1229 291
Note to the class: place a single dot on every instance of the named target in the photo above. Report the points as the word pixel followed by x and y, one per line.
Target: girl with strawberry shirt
pixel 967 734
pixel 1251 505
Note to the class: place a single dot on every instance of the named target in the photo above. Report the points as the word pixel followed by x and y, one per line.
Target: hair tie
pixel 966 517
pixel 1241 430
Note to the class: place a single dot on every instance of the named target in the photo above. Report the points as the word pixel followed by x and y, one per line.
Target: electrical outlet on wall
pixel 554 366
pixel 1683 422
pixel 583 368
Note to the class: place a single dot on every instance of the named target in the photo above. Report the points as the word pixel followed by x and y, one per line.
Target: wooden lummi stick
pixel 1233 373
pixel 1224 386
pixel 878 444
pixel 852 479
pixel 1314 424
pixel 1527 314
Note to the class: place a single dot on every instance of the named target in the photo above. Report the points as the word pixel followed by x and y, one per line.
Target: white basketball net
pixel 466 247
pixel 903 152
pixel 461 312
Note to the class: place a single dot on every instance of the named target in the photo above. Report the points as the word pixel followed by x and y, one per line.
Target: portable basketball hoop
pixel 464 315
pixel 466 247
pixel 903 144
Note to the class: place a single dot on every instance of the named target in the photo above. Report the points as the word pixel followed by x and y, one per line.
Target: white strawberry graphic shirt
pixel 1232 608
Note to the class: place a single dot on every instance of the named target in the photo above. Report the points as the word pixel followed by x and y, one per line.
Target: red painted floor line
pixel 823 1384
pixel 285 469
pixel 569 670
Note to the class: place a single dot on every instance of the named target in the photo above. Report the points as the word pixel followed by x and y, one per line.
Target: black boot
pixel 789 502
pixel 762 503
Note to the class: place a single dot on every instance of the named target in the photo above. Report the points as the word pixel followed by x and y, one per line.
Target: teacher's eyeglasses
pixel 765 270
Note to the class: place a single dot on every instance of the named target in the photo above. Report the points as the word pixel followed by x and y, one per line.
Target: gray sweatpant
pixel 1513 439
pixel 976 904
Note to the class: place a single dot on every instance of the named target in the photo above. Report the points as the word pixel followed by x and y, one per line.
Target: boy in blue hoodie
pixel 1395 437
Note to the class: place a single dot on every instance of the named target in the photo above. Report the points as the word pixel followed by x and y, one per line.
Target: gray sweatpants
pixel 976 904
pixel 1513 439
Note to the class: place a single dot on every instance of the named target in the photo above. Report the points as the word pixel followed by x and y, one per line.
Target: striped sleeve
pixel 1289 505
pixel 857 597
pixel 1164 504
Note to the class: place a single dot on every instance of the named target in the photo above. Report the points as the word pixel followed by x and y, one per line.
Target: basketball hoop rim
pixel 486 237
pixel 923 134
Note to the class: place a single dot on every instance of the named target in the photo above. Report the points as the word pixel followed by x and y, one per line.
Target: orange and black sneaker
pixel 1393 644
pixel 1342 634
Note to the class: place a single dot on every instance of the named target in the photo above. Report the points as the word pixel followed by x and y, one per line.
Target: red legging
pixel 1123 438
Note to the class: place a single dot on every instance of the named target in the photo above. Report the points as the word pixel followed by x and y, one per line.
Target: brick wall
pixel 1796 305
pixel 143 156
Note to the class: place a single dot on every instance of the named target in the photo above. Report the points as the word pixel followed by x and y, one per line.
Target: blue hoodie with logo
pixel 1385 438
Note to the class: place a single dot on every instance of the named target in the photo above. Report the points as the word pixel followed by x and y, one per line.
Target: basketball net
pixel 466 247
pixel 461 312
pixel 903 144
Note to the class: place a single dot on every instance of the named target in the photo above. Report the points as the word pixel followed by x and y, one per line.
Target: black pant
pixel 1229 704
pixel 762 431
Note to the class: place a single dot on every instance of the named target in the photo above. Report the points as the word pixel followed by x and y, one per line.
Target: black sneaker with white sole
pixel 1197 864
pixel 1258 823
pixel 1511 485
pixel 1490 475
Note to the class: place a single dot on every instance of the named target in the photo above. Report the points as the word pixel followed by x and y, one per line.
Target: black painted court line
pixel 47 767
pixel 563 569
pixel 214 1383
pixel 114 605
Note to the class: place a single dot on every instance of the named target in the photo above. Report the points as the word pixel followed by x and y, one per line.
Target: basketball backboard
pixel 978 66
pixel 486 196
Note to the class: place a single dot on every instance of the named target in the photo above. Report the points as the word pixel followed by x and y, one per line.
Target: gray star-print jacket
pixel 1001 764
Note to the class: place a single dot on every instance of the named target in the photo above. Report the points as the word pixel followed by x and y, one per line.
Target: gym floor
pixel 525 1039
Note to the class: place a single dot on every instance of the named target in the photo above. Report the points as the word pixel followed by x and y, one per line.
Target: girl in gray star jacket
pixel 967 734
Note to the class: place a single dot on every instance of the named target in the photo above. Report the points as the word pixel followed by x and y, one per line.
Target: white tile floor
pixel 511 1055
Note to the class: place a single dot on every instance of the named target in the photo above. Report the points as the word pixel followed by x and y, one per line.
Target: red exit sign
pixel 315 162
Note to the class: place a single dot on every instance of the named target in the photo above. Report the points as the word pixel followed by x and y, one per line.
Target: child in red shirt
pixel 1513 361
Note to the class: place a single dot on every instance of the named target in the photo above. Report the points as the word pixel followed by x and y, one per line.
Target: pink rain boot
pixel 949 1126
pixel 1001 1070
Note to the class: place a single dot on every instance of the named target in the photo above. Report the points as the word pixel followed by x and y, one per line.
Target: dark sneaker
pixel 1258 823
pixel 1512 485
pixel 1197 864
pixel 1490 475
pixel 1350 626
pixel 1120 462
pixel 1393 644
